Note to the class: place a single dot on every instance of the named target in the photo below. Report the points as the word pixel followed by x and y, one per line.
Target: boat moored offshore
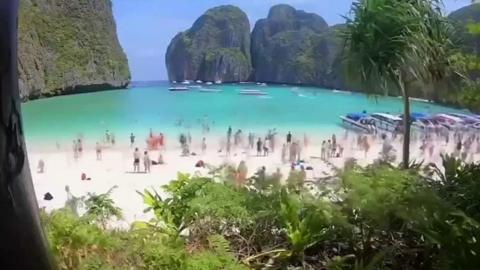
pixel 207 90
pixel 252 92
pixel 178 88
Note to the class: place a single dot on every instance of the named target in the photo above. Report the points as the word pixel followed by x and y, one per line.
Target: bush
pixel 380 218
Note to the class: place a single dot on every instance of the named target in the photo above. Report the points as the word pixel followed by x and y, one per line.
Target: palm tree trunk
pixel 406 129
pixel 22 244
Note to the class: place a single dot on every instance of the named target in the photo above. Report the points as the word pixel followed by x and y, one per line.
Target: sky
pixel 145 27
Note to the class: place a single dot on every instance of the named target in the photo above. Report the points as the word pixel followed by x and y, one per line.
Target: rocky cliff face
pixel 465 20
pixel 467 35
pixel 217 47
pixel 292 46
pixel 68 47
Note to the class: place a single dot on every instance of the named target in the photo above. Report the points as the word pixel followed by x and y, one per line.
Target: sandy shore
pixel 116 168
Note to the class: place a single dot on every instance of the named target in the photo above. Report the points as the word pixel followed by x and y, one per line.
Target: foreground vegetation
pixel 377 217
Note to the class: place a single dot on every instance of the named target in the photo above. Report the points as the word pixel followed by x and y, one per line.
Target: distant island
pixel 69 47
pixel 288 47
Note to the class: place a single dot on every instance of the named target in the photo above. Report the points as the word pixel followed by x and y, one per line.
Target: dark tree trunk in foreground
pixel 406 130
pixel 22 242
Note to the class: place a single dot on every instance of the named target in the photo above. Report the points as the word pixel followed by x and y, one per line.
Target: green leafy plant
pixel 101 208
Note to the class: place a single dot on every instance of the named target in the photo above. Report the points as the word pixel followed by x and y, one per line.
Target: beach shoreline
pixel 116 167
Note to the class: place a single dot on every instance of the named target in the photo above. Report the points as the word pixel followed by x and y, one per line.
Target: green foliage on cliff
pixel 65 44
pixel 467 21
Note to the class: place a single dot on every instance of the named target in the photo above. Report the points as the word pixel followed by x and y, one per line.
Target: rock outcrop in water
pixel 291 46
pixel 69 47
pixel 217 47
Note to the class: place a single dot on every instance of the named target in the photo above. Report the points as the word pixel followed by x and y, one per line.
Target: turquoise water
pixel 286 108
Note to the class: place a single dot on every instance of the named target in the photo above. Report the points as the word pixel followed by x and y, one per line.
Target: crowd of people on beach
pixel 430 144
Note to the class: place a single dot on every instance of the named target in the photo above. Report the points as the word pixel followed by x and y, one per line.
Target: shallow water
pixel 299 109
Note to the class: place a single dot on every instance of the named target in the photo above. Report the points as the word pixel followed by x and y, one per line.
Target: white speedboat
pixel 178 88
pixel 186 82
pixel 206 90
pixel 449 121
pixel 218 82
pixel 387 122
pixel 423 124
pixel 468 119
pixel 198 81
pixel 358 121
pixel 252 92
pixel 209 83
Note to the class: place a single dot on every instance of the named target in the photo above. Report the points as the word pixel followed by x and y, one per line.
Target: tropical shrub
pixel 380 217
pixel 101 208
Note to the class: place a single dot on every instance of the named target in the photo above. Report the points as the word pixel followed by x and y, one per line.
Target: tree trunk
pixel 406 129
pixel 22 241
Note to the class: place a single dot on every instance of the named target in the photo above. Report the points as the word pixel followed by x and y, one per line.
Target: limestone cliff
pixel 291 46
pixel 216 47
pixel 68 47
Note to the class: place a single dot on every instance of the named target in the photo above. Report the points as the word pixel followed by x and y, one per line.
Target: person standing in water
pixel 98 151
pixel 132 139
pixel 136 161
pixel 146 162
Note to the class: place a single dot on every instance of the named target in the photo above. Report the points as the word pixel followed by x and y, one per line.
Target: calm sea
pixel 145 106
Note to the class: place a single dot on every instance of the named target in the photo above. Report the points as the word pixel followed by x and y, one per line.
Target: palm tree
pixel 397 45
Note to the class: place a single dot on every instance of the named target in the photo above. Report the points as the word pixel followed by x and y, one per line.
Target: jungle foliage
pixel 378 217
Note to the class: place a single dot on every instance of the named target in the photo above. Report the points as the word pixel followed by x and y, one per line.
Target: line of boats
pixel 187 82
pixel 244 92
pixel 370 123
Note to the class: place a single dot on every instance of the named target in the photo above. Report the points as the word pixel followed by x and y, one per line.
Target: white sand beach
pixel 116 167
